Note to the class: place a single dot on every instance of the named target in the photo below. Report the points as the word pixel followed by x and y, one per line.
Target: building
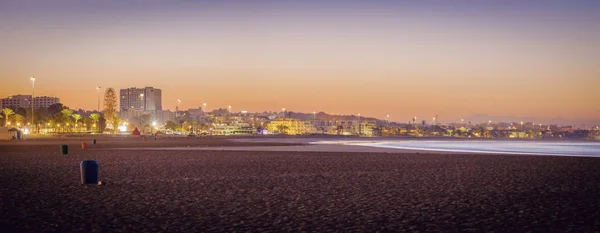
pixel 366 128
pixel 17 101
pixel 140 99
pixel 223 129
pixel 290 126
pixel 163 116
pixel 196 114
pixel 24 101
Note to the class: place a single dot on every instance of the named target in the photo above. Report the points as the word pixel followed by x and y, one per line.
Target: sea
pixel 562 148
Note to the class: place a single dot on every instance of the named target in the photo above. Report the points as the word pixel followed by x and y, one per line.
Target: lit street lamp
pixel 32 97
pixel 98 95
pixel 204 107
pixel 359 131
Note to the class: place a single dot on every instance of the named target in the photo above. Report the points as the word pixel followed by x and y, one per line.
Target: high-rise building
pixel 24 101
pixel 140 99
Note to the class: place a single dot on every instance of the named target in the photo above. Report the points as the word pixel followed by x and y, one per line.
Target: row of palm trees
pixel 64 121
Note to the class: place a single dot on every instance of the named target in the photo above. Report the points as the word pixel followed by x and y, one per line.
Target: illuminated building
pixel 24 101
pixel 140 99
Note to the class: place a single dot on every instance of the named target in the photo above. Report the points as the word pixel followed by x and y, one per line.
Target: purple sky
pixel 405 58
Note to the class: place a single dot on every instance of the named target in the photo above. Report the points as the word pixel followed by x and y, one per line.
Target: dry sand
pixel 224 191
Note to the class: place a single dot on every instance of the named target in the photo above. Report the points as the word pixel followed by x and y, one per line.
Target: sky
pixel 528 58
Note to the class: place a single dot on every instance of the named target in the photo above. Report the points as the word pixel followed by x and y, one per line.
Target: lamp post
pixel 177 108
pixel 204 106
pixel 32 97
pixel 521 126
pixel 283 110
pixel 98 95
pixel 359 124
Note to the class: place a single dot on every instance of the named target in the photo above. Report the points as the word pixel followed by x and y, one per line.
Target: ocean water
pixel 494 147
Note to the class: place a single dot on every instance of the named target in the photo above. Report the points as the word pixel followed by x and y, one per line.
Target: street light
pixel 204 105
pixel 359 124
pixel 98 95
pixel 32 96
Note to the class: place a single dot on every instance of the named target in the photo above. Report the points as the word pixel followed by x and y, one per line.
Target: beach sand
pixel 223 191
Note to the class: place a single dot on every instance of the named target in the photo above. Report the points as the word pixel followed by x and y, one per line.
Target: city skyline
pixel 528 59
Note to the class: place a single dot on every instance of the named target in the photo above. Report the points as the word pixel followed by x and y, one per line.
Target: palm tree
pixel 19 119
pixel 95 117
pixel 65 116
pixel 115 122
pixel 7 113
pixel 77 117
pixel 282 129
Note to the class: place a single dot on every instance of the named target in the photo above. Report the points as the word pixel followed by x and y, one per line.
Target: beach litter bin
pixel 64 149
pixel 89 172
pixel 94 141
pixel 83 145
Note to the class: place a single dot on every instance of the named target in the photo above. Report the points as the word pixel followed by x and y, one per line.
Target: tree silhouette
pixel 7 114
pixel 77 117
pixel 95 117
pixel 116 120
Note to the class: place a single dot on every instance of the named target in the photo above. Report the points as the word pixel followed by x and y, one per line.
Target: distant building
pixel 222 129
pixel 44 101
pixel 290 126
pixel 196 114
pixel 163 116
pixel 140 99
pixel 18 101
pixel 24 101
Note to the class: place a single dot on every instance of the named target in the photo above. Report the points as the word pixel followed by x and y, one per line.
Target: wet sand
pixel 224 191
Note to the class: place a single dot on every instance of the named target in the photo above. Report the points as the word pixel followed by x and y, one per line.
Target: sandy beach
pixel 160 190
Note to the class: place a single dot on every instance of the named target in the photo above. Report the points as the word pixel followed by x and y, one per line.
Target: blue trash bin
pixel 89 172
